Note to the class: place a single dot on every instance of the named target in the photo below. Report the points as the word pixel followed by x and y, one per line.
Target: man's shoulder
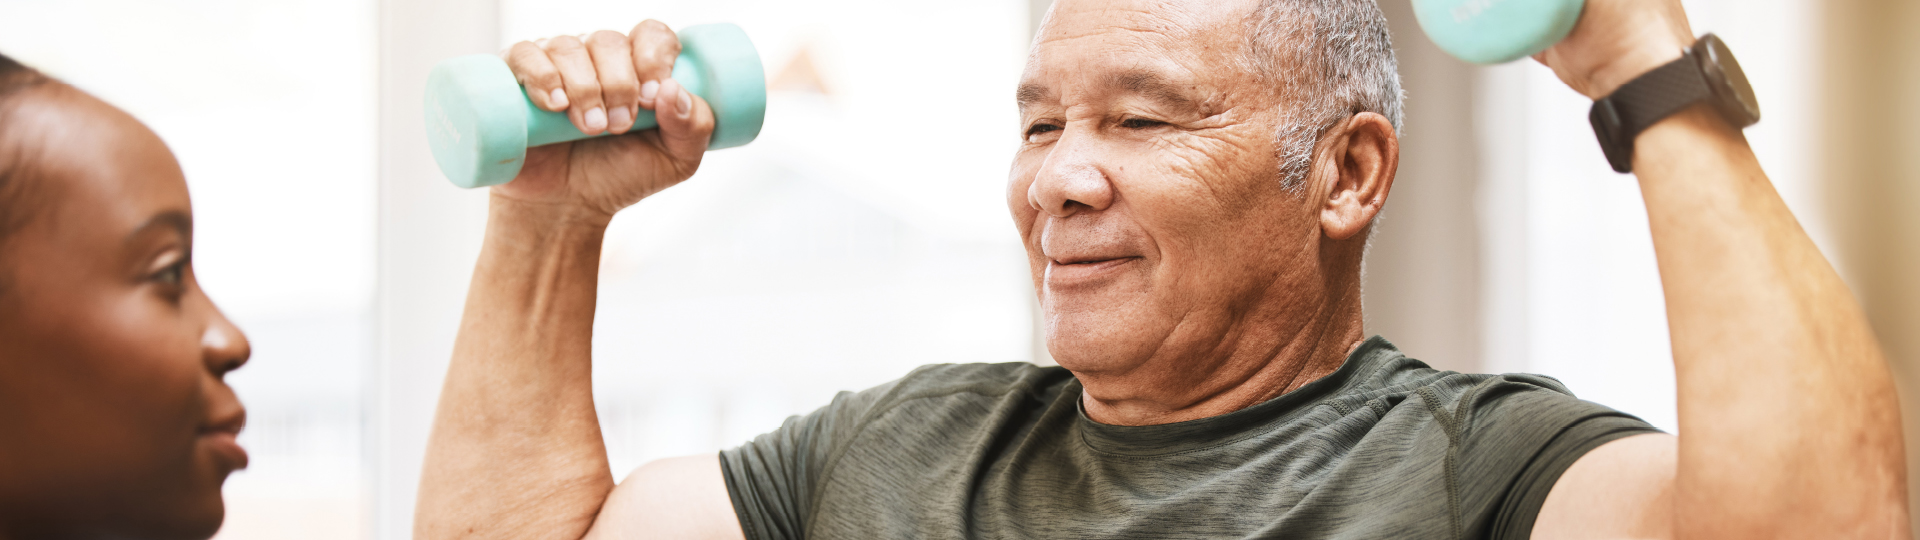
pixel 1494 408
pixel 1395 377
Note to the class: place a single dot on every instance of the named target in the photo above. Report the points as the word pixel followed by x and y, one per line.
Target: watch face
pixel 1733 95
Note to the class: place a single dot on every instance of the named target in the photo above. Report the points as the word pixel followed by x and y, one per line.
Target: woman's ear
pixel 1364 154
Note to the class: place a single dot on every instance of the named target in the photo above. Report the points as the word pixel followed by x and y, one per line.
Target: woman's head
pixel 114 418
pixel 14 79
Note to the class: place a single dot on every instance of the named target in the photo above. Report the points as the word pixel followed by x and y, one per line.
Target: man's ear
pixel 1362 156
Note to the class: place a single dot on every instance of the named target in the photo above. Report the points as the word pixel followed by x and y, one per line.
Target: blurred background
pixel 865 232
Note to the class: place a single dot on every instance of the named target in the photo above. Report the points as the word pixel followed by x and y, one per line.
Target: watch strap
pixel 1645 100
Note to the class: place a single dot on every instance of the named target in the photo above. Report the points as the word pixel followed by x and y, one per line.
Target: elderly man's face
pixel 1147 187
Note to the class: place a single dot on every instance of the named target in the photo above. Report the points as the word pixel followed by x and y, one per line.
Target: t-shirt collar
pixel 1234 426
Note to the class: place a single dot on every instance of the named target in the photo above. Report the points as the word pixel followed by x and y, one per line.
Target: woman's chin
pixel 197 518
pixel 205 519
pixel 201 509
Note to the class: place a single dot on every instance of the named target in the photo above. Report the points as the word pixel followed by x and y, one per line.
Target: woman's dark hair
pixel 8 66
pixel 15 79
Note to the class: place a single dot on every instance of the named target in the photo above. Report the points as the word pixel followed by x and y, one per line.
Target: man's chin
pixel 1089 349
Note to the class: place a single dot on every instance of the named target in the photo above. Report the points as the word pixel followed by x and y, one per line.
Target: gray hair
pixel 1331 59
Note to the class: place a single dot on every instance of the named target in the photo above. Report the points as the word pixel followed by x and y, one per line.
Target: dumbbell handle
pixel 546 127
pixel 480 122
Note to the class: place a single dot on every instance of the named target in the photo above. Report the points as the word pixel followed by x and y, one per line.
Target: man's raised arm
pixel 516 450
pixel 1791 427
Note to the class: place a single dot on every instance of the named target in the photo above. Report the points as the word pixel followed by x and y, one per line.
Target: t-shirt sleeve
pixel 771 477
pixel 1524 432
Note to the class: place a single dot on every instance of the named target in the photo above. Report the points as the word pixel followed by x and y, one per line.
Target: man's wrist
pixel 1610 77
pixel 1639 41
pixel 520 233
pixel 515 213
pixel 1678 139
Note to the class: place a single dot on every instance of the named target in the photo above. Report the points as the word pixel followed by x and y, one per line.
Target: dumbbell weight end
pixel 1496 31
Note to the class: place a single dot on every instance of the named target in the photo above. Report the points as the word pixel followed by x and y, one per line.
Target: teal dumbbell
pixel 480 122
pixel 1495 31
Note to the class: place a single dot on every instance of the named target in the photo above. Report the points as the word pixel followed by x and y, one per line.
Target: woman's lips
pixel 225 446
pixel 1087 272
pixel 223 439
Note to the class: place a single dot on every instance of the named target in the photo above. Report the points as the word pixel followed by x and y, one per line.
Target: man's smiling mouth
pixel 1076 271
pixel 1088 261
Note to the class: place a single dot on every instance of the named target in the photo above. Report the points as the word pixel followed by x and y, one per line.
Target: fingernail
pixel 596 120
pixel 558 99
pixel 686 102
pixel 620 117
pixel 647 91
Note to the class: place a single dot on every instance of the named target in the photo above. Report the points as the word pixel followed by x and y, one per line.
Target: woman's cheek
pixel 152 356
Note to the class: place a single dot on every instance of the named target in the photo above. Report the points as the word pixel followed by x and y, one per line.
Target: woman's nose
pixel 223 346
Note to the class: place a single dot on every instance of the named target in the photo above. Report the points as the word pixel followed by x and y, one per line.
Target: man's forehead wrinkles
pixel 1154 86
pixel 1153 20
pixel 1144 38
pixel 1175 20
pixel 1152 55
pixel 1153 82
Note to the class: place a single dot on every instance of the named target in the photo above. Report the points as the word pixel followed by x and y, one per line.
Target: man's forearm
pixel 1790 424
pixel 516 450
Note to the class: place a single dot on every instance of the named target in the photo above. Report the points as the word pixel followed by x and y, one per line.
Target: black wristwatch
pixel 1705 71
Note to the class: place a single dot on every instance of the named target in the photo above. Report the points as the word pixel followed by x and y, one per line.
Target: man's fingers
pixel 604 79
pixel 530 65
pixel 613 58
pixel 582 83
pixel 654 49
pixel 686 124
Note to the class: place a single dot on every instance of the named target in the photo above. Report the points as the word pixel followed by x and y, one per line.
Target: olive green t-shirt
pixel 1385 447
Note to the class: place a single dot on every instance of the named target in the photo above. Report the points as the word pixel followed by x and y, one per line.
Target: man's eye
pixel 1039 129
pixel 1140 123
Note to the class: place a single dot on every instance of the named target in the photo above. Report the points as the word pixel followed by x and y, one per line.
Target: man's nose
pixel 1070 180
pixel 223 346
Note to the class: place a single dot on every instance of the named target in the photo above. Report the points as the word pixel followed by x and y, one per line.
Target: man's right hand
pixel 516 450
pixel 601 82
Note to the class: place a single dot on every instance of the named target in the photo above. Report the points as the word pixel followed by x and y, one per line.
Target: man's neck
pixel 1262 357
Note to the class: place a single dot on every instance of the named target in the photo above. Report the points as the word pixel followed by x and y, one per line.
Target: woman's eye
pixel 1140 123
pixel 1039 129
pixel 172 274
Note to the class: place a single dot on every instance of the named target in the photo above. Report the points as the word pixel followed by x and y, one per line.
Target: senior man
pixel 1195 189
